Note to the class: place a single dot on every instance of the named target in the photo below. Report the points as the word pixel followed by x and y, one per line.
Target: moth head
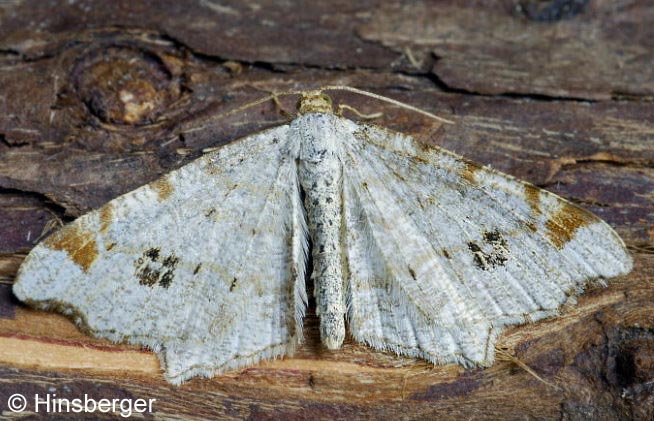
pixel 314 102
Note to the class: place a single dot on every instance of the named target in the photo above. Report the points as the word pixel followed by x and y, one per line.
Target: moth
pixel 419 250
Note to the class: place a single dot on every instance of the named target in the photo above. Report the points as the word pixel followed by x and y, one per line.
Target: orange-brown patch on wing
pixel 561 227
pixel 79 244
pixel 106 214
pixel 469 170
pixel 163 188
pixel 532 196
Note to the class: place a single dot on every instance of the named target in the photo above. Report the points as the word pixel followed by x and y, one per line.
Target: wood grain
pixel 96 99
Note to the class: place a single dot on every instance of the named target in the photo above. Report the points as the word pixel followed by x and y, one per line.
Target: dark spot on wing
pixel 474 247
pixel 151 270
pixel 110 246
pixel 148 276
pixel 210 212
pixel 419 160
pixel 477 255
pixel 493 237
pixel 412 272
pixel 166 279
pixel 493 253
pixel 233 285
pixel 446 253
pixel 197 269
pixel 531 226
pixel 424 147
pixel 231 189
pixel 171 261
pixel 152 254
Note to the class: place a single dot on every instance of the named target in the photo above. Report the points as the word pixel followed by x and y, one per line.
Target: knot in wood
pixel 125 85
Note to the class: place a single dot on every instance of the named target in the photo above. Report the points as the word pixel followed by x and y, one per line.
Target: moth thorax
pixel 315 102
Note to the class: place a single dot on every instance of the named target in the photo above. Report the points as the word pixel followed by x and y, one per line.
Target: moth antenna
pixel 412 59
pixel 52 224
pixel 386 99
pixel 509 357
pixel 275 99
pixel 343 107
pixel 272 97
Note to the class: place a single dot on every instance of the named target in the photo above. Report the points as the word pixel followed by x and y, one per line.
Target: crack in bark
pixel 286 67
pixel 570 163
pixel 52 206
pixel 642 248
pixel 9 52
pixel 511 95
pixel 13 144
